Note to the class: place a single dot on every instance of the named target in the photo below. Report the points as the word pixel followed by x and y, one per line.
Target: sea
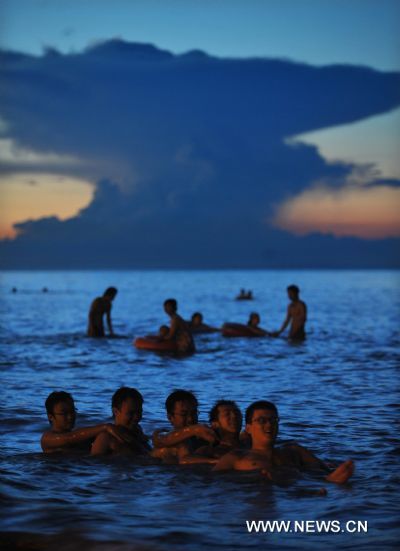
pixel 337 394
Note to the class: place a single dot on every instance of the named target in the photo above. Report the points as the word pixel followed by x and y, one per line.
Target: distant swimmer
pixel 196 324
pixel 245 295
pixel 14 290
pixel 179 330
pixel 99 307
pixel 296 316
pixel 276 463
pixel 61 413
pixel 254 325
pixel 45 290
pixel 127 410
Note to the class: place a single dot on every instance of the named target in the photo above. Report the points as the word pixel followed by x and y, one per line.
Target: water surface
pixel 337 393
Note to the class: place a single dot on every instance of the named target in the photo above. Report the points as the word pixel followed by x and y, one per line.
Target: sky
pixel 41 180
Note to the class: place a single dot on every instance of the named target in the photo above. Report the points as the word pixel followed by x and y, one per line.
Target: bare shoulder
pixel 44 441
pixel 102 444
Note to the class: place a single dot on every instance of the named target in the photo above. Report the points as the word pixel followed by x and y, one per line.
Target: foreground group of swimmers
pixel 181 331
pixel 221 443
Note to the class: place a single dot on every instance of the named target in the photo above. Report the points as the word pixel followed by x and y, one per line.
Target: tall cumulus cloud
pixel 189 154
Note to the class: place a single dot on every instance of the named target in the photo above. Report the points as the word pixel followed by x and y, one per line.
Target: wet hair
pixel 110 292
pixel 261 404
pixel 252 315
pixel 172 302
pixel 197 315
pixel 294 289
pixel 123 394
pixel 179 396
pixel 213 415
pixel 55 398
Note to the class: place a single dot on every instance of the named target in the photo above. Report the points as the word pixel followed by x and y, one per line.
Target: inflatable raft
pixel 154 343
pixel 237 330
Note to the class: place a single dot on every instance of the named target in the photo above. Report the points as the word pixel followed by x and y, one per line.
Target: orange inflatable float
pixel 151 342
pixel 237 330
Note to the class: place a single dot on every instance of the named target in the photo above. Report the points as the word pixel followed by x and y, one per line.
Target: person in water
pixel 61 413
pixel 226 420
pixel 254 324
pixel 245 295
pixel 127 410
pixel 179 330
pixel 187 434
pixel 262 425
pixel 196 324
pixel 296 316
pixel 101 306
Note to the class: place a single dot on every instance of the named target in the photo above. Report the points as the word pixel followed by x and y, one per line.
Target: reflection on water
pixel 336 394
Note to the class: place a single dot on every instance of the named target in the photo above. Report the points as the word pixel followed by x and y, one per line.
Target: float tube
pixel 152 342
pixel 237 330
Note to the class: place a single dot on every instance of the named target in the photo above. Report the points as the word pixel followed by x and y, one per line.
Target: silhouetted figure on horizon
pixel 245 295
pixel 179 330
pixel 296 316
pixel 99 307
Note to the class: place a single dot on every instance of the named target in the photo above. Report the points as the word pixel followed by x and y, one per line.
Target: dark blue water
pixel 336 394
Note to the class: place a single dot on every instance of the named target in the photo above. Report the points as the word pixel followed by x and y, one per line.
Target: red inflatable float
pixel 237 330
pixel 151 342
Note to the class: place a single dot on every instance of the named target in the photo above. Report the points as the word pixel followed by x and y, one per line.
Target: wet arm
pixel 226 463
pixel 308 459
pixel 53 440
pixel 178 436
pixel 286 322
pixel 259 331
pixel 197 460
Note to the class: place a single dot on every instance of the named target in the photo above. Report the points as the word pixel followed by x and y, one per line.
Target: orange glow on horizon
pixel 354 211
pixel 30 197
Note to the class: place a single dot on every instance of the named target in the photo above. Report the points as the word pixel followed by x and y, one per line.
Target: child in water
pixel 127 408
pixel 61 412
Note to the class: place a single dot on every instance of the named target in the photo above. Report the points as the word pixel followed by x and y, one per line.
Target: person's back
pixel 298 312
pixel 179 330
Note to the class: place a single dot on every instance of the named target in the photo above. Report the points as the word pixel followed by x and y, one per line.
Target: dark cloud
pixel 197 147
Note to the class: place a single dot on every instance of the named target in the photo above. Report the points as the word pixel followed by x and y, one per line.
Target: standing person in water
pixel 99 307
pixel 179 330
pixel 296 316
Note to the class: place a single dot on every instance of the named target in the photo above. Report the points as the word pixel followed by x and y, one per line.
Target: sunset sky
pixel 40 181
